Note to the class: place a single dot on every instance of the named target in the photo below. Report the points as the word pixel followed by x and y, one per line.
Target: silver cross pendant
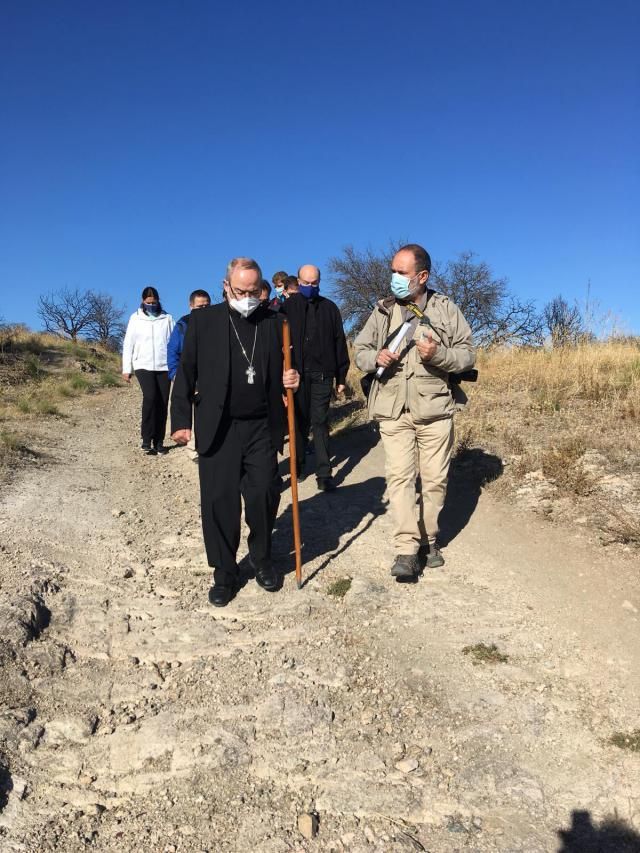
pixel 251 373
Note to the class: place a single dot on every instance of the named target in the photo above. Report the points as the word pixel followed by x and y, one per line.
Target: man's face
pixel 200 302
pixel 244 282
pixel 309 275
pixel 404 263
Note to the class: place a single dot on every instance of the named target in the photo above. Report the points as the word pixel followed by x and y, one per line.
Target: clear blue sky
pixel 148 142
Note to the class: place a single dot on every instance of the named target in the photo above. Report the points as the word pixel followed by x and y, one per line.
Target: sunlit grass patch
pixel 626 740
pixel 482 653
pixel 339 588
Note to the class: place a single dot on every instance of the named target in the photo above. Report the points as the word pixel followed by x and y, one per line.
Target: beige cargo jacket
pixel 411 384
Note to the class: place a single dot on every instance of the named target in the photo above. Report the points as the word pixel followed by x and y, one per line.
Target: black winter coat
pixel 205 362
pixel 329 333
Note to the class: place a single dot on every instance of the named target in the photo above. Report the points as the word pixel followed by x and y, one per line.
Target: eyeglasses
pixel 239 294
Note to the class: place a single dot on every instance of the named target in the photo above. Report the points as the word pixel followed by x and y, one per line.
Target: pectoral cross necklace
pixel 250 371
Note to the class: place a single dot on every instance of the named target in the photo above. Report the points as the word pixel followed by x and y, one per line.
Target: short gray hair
pixel 243 264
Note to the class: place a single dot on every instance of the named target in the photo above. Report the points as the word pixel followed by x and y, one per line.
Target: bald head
pixel 308 274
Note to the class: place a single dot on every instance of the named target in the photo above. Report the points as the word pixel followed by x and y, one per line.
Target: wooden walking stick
pixel 293 461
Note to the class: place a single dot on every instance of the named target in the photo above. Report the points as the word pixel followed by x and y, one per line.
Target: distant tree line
pixel 496 316
pixel 83 314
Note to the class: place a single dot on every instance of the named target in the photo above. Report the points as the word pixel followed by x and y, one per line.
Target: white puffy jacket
pixel 145 343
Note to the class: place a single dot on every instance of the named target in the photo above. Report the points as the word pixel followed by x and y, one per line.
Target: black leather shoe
pixel 267 578
pixel 326 484
pixel 221 594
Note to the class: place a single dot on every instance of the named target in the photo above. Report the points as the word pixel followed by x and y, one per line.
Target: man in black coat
pixel 321 354
pixel 233 353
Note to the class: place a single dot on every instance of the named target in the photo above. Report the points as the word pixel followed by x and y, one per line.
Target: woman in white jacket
pixel 145 353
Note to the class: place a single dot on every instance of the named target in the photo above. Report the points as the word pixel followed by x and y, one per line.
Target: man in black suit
pixel 233 354
pixel 320 350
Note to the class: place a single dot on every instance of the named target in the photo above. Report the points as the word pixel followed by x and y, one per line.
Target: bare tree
pixel 564 322
pixel 106 325
pixel 495 316
pixel 66 312
pixel 360 279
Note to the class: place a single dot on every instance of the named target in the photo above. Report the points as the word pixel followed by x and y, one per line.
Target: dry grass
pixel 554 412
pixel 38 374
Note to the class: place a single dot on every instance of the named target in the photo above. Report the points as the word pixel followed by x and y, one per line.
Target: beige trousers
pixel 410 448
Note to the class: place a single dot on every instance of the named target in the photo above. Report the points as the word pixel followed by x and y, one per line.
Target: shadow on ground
pixel 325 518
pixel 471 470
pixel 611 836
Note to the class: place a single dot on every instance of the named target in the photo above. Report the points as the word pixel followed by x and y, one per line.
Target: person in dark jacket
pixel 233 353
pixel 321 355
pixel 198 299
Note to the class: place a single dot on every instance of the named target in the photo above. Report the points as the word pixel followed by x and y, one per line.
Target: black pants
pixel 242 461
pixel 155 402
pixel 312 412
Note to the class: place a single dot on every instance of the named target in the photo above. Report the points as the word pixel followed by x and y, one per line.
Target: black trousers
pixel 155 402
pixel 241 462
pixel 312 412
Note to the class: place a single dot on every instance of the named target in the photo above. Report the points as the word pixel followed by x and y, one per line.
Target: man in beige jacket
pixel 412 400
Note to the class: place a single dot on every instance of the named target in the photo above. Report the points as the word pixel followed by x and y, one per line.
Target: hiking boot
pixel 150 451
pixel 145 446
pixel 405 566
pixel 160 448
pixel 434 557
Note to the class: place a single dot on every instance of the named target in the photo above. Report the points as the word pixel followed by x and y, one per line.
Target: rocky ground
pixel 472 711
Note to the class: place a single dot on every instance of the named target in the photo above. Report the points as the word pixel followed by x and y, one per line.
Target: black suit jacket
pixel 205 365
pixel 329 334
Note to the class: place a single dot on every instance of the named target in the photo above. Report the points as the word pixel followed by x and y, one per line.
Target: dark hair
pixel 151 291
pixel 422 258
pixel 278 277
pixel 199 293
pixel 265 286
pixel 291 281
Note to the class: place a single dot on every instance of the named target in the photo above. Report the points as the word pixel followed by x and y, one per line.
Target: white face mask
pixel 245 306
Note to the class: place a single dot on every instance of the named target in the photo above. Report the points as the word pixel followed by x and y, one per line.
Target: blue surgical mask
pixel 309 291
pixel 400 285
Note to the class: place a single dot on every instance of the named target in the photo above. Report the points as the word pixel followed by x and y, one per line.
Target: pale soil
pixel 135 717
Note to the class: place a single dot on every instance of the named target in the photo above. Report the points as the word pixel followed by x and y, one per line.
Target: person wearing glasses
pixel 233 354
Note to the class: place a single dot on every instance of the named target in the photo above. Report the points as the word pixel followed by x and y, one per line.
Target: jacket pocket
pixel 429 398
pixel 385 400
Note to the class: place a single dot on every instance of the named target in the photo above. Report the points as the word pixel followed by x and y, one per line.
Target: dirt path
pixel 137 717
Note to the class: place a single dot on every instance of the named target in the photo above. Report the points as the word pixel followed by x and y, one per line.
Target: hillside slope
pixel 138 717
